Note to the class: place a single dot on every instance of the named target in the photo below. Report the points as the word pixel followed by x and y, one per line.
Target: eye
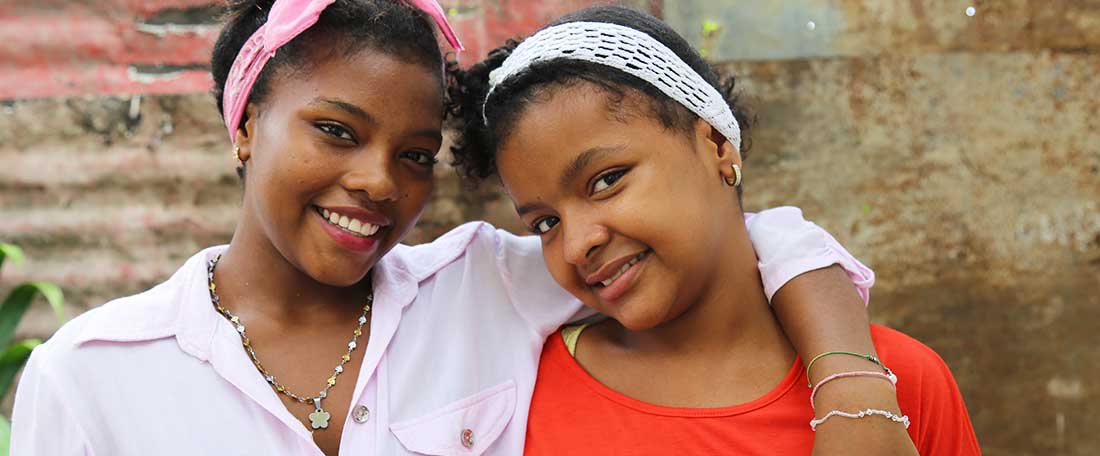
pixel 420 157
pixel 544 225
pixel 336 131
pixel 607 180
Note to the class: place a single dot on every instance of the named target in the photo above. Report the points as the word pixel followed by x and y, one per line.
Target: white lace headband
pixel 628 50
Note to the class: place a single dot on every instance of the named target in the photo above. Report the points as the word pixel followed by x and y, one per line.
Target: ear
pixel 720 152
pixel 245 133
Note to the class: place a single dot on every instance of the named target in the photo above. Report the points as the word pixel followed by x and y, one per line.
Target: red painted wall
pixel 64 48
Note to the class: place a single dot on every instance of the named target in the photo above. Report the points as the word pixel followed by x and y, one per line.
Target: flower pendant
pixel 319 418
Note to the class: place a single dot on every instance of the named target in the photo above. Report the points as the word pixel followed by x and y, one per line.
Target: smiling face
pixel 632 215
pixel 339 161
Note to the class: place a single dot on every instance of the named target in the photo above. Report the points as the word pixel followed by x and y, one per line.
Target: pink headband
pixel 286 20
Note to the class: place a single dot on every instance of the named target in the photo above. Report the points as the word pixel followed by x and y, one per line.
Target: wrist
pixel 854 394
pixel 836 364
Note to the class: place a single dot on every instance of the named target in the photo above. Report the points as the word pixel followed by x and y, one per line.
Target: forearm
pixel 821 312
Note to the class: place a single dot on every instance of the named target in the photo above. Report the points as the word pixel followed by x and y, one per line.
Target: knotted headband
pixel 628 50
pixel 286 20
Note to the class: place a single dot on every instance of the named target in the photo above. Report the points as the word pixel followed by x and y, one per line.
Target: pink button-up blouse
pixel 454 347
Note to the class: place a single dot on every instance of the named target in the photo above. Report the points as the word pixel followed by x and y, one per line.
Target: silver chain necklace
pixel 319 418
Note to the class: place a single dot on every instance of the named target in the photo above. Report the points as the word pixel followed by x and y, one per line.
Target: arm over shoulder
pixel 787 245
pixel 537 297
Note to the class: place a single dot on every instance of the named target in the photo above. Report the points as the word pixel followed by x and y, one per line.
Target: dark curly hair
pixel 343 29
pixel 474 150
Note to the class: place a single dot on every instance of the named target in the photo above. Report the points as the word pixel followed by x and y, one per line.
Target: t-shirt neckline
pixel 561 354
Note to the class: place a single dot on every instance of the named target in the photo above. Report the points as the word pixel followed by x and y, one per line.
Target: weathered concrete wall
pixel 960 156
pixel 971 183
pixel 957 155
pixel 799 29
pixel 52 48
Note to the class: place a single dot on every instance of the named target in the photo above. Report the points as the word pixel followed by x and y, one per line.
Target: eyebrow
pixel 346 107
pixel 573 170
pixel 432 134
pixel 529 207
pixel 583 160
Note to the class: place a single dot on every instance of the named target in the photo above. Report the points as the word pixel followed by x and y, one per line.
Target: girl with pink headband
pixel 621 148
pixel 314 332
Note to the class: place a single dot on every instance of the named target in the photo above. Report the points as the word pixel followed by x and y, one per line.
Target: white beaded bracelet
pixel 863 414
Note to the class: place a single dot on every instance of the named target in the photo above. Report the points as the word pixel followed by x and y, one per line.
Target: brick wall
pixel 958 155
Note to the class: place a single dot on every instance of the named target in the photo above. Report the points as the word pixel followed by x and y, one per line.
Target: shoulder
pixel 492 257
pixel 149 315
pixel 927 393
pixel 902 349
pixel 72 359
pixel 925 381
pixel 915 363
pixel 486 249
pixel 479 238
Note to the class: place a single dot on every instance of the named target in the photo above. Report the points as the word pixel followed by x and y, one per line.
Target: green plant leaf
pixel 10 251
pixel 5 436
pixel 12 360
pixel 710 28
pixel 17 302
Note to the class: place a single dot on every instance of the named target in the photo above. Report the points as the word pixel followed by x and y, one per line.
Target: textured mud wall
pixel 960 156
pixel 957 155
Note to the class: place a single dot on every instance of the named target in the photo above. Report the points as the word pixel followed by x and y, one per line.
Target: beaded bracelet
pixel 870 358
pixel 890 378
pixel 862 414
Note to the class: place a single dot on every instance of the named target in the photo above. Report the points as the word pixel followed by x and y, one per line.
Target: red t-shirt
pixel 572 413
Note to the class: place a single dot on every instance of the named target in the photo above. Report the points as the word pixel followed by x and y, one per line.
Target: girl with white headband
pixel 622 151
pixel 313 332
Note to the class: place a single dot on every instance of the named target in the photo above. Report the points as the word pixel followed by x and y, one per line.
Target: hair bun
pixel 241 7
pixel 500 53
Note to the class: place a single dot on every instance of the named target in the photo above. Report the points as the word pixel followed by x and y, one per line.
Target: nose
pixel 372 172
pixel 584 236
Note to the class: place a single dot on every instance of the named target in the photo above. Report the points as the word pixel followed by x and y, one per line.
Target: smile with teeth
pixel 623 269
pixel 351 225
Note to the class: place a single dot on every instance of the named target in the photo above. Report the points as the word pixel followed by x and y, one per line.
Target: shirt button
pixel 467 438
pixel 360 414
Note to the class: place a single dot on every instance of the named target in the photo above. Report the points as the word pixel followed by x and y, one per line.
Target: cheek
pixel 293 178
pixel 564 274
pixel 681 202
pixel 667 213
pixel 415 192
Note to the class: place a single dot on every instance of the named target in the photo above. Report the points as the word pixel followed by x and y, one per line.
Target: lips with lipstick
pixel 351 225
pixel 354 228
pixel 615 278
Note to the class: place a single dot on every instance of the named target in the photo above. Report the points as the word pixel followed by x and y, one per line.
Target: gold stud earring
pixel 736 181
pixel 237 154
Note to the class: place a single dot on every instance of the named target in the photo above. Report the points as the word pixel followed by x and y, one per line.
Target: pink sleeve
pixel 788 245
pixel 41 421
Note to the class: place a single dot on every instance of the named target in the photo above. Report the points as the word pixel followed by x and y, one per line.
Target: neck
pixel 731 319
pixel 255 279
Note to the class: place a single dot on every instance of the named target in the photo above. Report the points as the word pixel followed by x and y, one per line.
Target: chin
pixel 635 325
pixel 339 275
pixel 343 282
pixel 638 321
pixel 338 280
pixel 636 311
